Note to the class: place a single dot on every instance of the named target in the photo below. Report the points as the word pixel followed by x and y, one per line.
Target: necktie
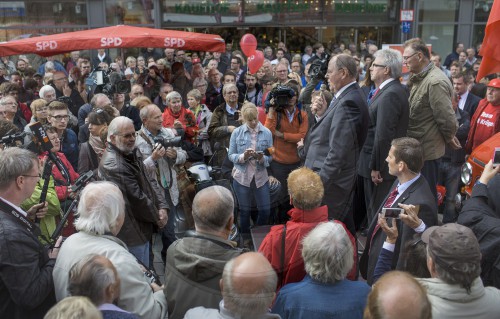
pixel 333 101
pixel 388 203
pixel 372 94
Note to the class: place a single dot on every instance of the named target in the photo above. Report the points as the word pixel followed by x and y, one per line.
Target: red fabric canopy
pixel 120 36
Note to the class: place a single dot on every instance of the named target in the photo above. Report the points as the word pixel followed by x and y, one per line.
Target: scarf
pixel 97 145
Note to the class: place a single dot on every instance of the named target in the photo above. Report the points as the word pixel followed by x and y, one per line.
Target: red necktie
pixel 388 203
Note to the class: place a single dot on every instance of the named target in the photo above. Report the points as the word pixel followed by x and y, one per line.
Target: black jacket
pixel 142 195
pixel 26 285
pixel 481 213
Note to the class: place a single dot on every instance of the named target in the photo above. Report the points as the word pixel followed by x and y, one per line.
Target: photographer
pixel 159 162
pixel 289 125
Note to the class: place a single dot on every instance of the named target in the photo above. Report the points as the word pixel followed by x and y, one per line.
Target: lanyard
pixel 18 216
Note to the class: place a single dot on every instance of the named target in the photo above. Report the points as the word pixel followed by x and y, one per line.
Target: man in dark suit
pixel 405 160
pixel 466 101
pixel 388 111
pixel 334 142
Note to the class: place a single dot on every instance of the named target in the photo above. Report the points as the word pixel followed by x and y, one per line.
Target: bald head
pixel 213 210
pixel 398 295
pixel 248 284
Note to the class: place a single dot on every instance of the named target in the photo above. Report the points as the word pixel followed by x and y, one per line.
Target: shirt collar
pixel 343 89
pixel 403 187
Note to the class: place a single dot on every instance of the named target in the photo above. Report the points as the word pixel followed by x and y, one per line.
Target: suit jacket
pixel 333 144
pixel 471 104
pixel 389 111
pixel 418 193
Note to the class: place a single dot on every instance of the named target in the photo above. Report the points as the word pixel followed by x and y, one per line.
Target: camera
pixel 109 82
pixel 319 68
pixel 168 142
pixel 13 140
pixel 281 95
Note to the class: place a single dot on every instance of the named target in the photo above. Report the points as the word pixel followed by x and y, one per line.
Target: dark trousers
pixel 431 172
pixel 168 232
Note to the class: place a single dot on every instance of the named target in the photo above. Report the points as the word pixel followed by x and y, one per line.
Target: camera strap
pixel 19 217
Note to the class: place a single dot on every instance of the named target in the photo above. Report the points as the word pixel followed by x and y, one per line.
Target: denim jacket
pixel 241 141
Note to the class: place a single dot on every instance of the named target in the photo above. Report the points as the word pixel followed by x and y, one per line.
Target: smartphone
pixel 392 212
pixel 496 157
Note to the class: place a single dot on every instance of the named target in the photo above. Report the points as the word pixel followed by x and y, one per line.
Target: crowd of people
pixel 323 147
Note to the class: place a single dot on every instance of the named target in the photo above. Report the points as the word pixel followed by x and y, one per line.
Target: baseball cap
pixel 452 245
pixel 495 83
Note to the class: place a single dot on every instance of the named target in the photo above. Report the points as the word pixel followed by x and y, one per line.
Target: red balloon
pixel 248 44
pixel 255 61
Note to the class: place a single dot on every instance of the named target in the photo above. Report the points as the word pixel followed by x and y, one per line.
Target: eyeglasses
pixel 232 92
pixel 281 71
pixel 405 58
pixel 60 117
pixel 85 66
pixel 127 136
pixel 375 65
pixel 42 109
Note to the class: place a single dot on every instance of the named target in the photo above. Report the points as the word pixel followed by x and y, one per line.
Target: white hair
pixel 101 204
pixel 328 253
pixel 116 124
pixel 46 89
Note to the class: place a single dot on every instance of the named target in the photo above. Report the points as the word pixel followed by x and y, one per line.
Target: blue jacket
pixel 69 146
pixel 314 300
pixel 240 141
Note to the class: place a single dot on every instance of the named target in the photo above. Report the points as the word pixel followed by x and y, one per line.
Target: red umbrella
pixel 120 36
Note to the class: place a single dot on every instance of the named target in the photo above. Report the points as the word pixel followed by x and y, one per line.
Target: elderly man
pixel 282 73
pixel 486 120
pixel 389 111
pixel 195 263
pixel 122 163
pixel 333 144
pixel 225 119
pixel 26 286
pixel 327 252
pixel 398 295
pixel 160 163
pixel 8 108
pixel 306 193
pixel 61 85
pixel 96 278
pixel 432 119
pixel 48 93
pixel 409 191
pixel 248 287
pixel 101 218
pixel 454 262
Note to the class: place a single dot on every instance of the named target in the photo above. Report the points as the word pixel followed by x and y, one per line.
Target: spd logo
pixel 174 42
pixel 46 45
pixel 111 42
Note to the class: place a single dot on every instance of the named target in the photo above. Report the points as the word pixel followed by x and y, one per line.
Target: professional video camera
pixel 109 82
pixel 281 95
pixel 168 142
pixel 319 68
pixel 12 140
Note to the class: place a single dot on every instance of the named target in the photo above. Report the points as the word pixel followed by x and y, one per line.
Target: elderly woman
pixel 91 151
pixel 327 253
pixel 306 193
pixel 250 180
pixel 203 116
pixel 102 213
pixel 178 117
pixel 131 63
pixel 40 111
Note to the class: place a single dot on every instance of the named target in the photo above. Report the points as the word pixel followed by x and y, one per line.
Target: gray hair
pixel 255 303
pixel 90 277
pixel 173 95
pixel 6 99
pixel 15 162
pixel 144 112
pixel 199 81
pixel 345 61
pixel 49 65
pixel 392 59
pixel 101 204
pixel 95 98
pixel 212 208
pixel 116 124
pixel 46 89
pixel 328 253
pixel 228 86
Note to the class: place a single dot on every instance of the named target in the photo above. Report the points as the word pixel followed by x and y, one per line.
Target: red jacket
pixel 61 185
pixel 186 117
pixel 301 223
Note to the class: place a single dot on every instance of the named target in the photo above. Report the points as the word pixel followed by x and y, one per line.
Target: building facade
pixel 440 23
